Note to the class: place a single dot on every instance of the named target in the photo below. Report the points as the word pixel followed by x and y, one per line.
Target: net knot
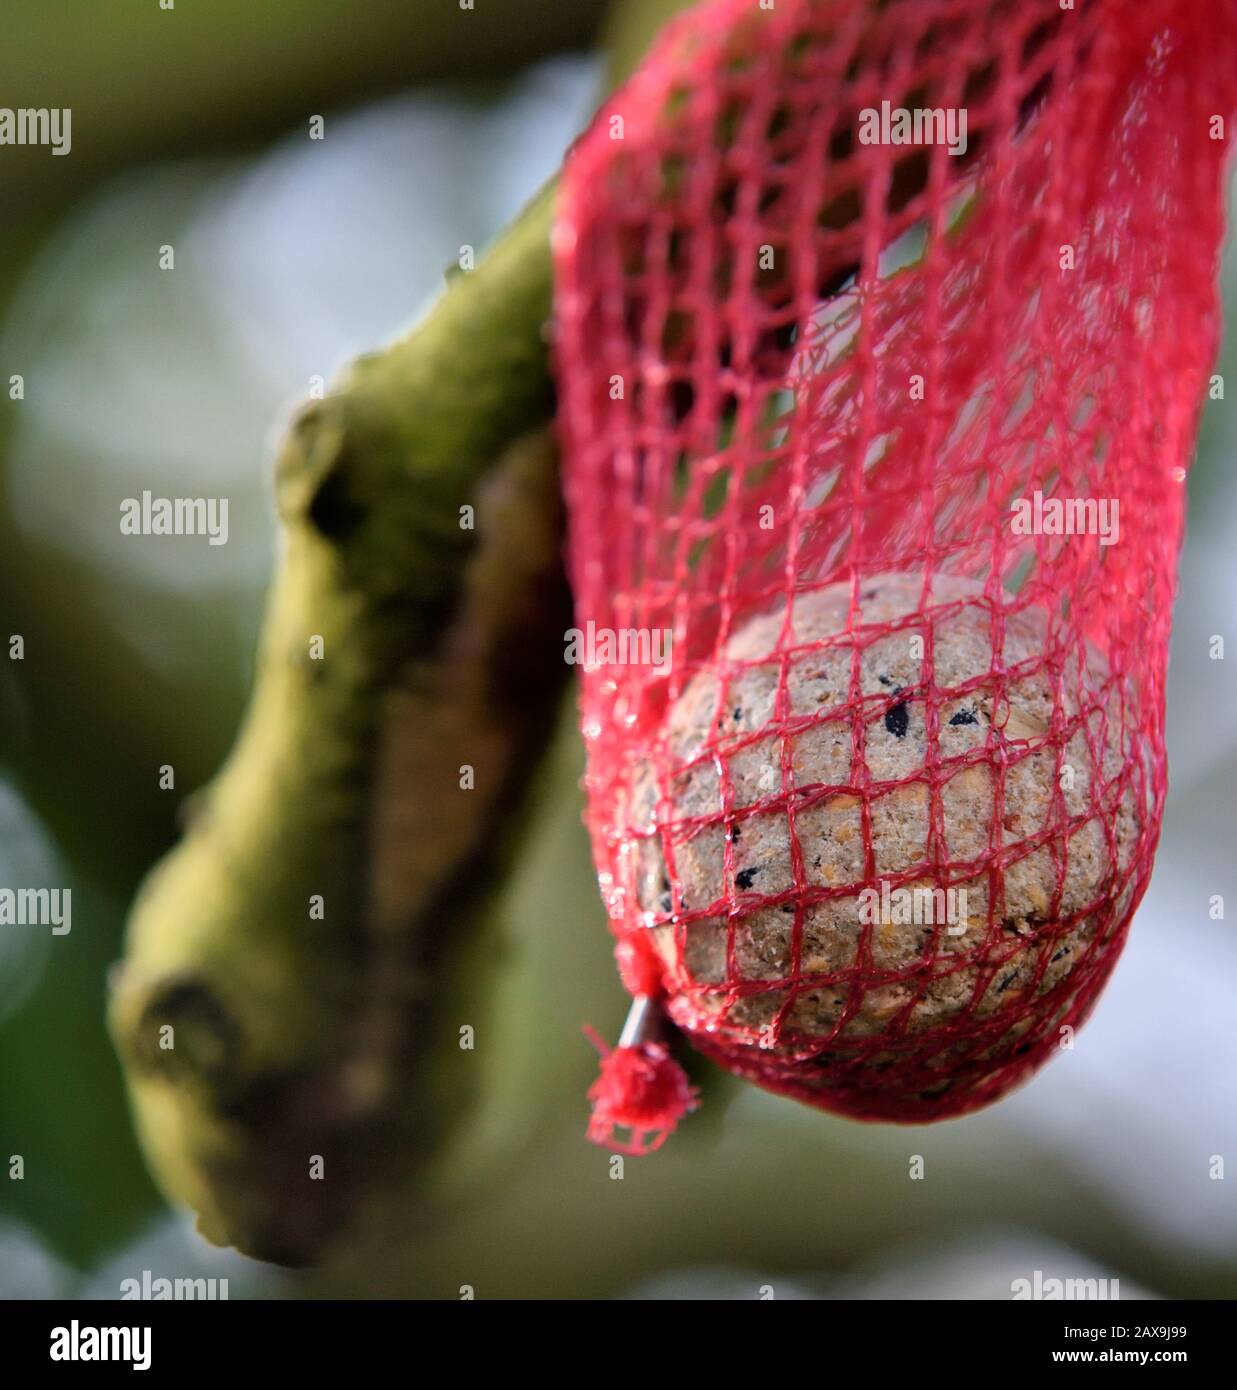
pixel 641 1089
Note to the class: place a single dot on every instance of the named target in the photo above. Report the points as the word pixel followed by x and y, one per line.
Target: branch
pixel 292 1036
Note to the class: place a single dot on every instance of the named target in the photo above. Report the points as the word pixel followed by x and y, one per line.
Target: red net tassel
pixel 641 1088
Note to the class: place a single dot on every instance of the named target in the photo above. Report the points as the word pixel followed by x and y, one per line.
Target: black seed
pixel 1064 951
pixel 896 720
pixel 667 902
pixel 788 909
pixel 743 879
pixel 1006 982
pixel 965 716
pixel 737 715
pixel 735 834
pixel 885 680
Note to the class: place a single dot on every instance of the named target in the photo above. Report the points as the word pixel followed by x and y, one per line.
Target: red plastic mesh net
pixel 874 445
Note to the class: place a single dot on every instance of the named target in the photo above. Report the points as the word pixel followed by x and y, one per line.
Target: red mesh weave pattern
pixel 812 386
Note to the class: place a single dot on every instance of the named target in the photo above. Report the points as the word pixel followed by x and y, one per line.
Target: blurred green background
pixel 190 128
